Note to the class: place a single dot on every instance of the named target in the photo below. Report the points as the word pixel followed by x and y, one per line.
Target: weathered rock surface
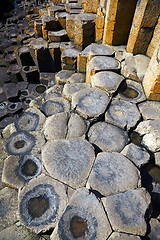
pixel 77 78
pixel 113 173
pixel 90 103
pixel 139 156
pixel 71 88
pixel 122 114
pixel 107 137
pixel 42 117
pixel 157 158
pixel 98 50
pixel 62 76
pixel 155 229
pixel 122 236
pixel 149 110
pixel 69 161
pixel 84 218
pixel 126 211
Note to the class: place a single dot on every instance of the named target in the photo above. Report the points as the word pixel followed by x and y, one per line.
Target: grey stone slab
pixel 132 91
pixel 126 211
pixel 62 76
pixel 71 88
pixel 39 142
pixel 84 218
pixel 90 103
pixel 77 126
pixel 107 137
pixel 53 92
pixel 113 173
pixel 8 207
pixel 58 36
pixel 123 114
pixel 98 50
pixel 150 109
pixel 148 126
pixel 157 158
pixel 42 117
pixel 152 141
pixel 101 63
pixel 55 126
pixel 106 80
pixel 41 203
pixel 77 78
pixel 122 236
pixel 69 161
pixel 155 229
pixel 139 156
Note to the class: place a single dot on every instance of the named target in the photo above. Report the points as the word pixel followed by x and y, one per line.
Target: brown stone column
pixel 119 15
pixel 151 81
pixel 145 19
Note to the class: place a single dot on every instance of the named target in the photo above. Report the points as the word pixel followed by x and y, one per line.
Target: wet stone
pixel 55 126
pixel 122 236
pixel 126 211
pixel 119 175
pixel 62 76
pixel 90 103
pixel 123 114
pixel 155 229
pixel 8 207
pixel 106 80
pixel 84 218
pixel 69 161
pixel 149 110
pixel 138 155
pixel 41 203
pixel 107 137
pixel 71 88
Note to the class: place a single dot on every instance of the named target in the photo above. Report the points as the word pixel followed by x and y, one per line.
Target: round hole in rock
pixel 19 144
pixel 78 226
pixel 40 88
pixel 26 68
pixel 29 168
pixel 129 92
pixel 136 138
pixel 37 206
pixel 12 106
pixel 27 101
pixel 24 93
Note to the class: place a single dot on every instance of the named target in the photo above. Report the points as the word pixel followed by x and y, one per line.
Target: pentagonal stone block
pixel 41 203
pixel 101 63
pixel 107 80
pixel 69 161
pixel 149 110
pixel 107 137
pixel 71 88
pixel 17 171
pixel 122 236
pixel 58 36
pixel 84 218
pixel 90 103
pixel 62 76
pixel 138 155
pixel 122 114
pixel 119 175
pixel 8 200
pixel 55 126
pixel 126 211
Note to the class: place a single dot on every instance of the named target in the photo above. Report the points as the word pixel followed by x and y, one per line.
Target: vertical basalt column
pixel 151 81
pixel 99 25
pixel 90 6
pixel 144 22
pixel 119 15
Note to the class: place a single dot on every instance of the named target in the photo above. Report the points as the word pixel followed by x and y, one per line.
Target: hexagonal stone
pixel 27 122
pixel 139 156
pixel 69 161
pixel 41 203
pixel 122 236
pixel 77 127
pixel 62 76
pixel 155 229
pixel 126 211
pixel 53 92
pixel 55 126
pixel 107 80
pixel 132 91
pixel 19 170
pixel 107 137
pixel 149 110
pixel 77 78
pixel 90 103
pixel 123 114
pixel 71 88
pixel 8 207
pixel 84 218
pixel 42 117
pixel 113 173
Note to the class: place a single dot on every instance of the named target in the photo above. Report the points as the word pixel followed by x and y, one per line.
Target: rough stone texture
pixel 155 229
pixel 62 76
pixel 152 141
pixel 132 92
pixel 77 78
pixel 42 117
pixel 86 206
pixel 70 26
pixel 61 16
pixel 39 142
pixel 3 155
pixel 157 158
pixel 71 88
pixel 69 59
pixel 139 156
pixel 90 103
pixel 122 236
pixel 99 25
pixel 77 127
pixel 57 36
pixel 149 109
pixel 8 200
pixel 53 92
pixel 101 63
pixel 107 80
pixel 18 232
pixel 69 161
pixel 107 137
pixel 113 173
pixel 55 126
pixel 126 211
pixel 122 114
pixel 148 126
pixel 48 215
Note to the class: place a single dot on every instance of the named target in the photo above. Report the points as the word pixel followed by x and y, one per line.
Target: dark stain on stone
pixel 129 93
pixel 40 88
pixel 19 144
pixel 29 168
pixel 28 122
pixel 136 138
pixel 78 227
pixel 37 206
